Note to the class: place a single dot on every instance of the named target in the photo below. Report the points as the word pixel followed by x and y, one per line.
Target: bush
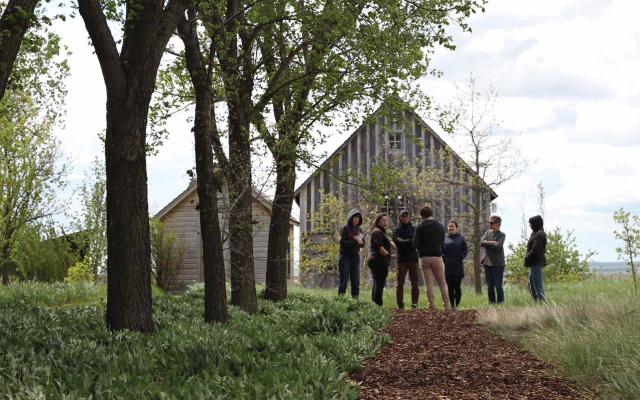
pixel 565 263
pixel 167 253
pixel 80 272
pixel 43 256
pixel 296 349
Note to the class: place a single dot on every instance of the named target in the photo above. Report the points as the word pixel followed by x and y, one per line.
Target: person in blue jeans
pixel 492 259
pixel 351 241
pixel 536 258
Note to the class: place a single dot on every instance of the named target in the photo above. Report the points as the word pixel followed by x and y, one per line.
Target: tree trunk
pixel 128 246
pixel 129 77
pixel 243 286
pixel 477 238
pixel 16 19
pixel 277 253
pixel 215 296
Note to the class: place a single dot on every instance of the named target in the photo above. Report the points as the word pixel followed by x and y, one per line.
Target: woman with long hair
pixel 380 256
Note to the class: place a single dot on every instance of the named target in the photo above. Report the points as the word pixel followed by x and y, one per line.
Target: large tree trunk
pixel 277 253
pixel 128 246
pixel 215 296
pixel 15 20
pixel 129 78
pixel 243 285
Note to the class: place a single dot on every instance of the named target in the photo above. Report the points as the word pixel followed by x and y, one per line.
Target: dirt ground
pixel 447 355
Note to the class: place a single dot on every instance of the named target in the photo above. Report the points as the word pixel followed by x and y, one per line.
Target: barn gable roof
pixel 324 164
pixel 262 200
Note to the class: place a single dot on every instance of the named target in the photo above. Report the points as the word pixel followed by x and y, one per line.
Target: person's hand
pixel 393 246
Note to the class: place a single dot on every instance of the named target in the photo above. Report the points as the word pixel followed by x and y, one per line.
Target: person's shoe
pixel 400 306
pixel 414 306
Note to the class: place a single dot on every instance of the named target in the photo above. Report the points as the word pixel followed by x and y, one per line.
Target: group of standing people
pixel 438 254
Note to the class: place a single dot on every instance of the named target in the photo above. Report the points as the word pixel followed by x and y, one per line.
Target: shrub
pixel 565 263
pixel 43 256
pixel 80 272
pixel 167 253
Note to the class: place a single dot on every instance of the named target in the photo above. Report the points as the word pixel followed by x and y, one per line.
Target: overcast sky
pixel 566 74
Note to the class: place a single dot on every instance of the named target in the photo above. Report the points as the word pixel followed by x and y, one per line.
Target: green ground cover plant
pixel 51 294
pixel 297 349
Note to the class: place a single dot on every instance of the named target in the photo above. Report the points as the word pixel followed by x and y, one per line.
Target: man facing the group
pixel 429 241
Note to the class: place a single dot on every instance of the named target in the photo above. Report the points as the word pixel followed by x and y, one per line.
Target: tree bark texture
pixel 277 253
pixel 15 20
pixel 240 184
pixel 129 78
pixel 215 296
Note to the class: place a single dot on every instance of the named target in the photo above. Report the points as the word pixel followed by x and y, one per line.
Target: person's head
pixel 536 223
pixel 426 212
pixel 494 222
pixel 452 227
pixel 381 221
pixel 405 217
pixel 356 219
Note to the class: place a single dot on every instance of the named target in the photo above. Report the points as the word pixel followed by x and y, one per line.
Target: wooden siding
pixel 184 221
pixel 365 146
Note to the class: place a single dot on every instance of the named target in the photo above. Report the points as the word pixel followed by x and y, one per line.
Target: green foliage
pixel 41 255
pixel 80 272
pixel 321 248
pixel 296 349
pixel 91 224
pixel 564 261
pixel 629 234
pixel 167 253
pixel 30 165
pixel 50 294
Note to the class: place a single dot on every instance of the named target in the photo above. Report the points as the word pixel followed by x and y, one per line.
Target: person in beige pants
pixel 429 241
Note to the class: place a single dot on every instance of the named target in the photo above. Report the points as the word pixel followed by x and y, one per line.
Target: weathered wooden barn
pixel 383 137
pixel 181 217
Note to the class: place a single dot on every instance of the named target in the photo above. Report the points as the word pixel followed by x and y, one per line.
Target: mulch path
pixel 445 355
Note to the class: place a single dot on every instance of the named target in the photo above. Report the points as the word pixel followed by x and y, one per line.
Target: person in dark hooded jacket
pixel 454 252
pixel 536 259
pixel 351 241
pixel 407 260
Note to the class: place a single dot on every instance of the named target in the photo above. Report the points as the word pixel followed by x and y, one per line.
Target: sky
pixel 566 75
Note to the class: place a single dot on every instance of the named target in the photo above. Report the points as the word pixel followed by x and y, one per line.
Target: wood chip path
pixel 448 355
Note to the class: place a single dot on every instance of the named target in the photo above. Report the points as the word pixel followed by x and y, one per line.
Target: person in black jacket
pixel 454 253
pixel 429 240
pixel 407 260
pixel 535 259
pixel 492 258
pixel 351 241
pixel 380 257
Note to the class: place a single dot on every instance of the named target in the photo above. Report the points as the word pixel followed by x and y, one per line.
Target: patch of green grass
pixel 297 349
pixel 590 330
pixel 514 295
pixel 52 294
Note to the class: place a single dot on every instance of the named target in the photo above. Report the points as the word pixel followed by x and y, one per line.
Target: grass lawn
pixel 297 349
